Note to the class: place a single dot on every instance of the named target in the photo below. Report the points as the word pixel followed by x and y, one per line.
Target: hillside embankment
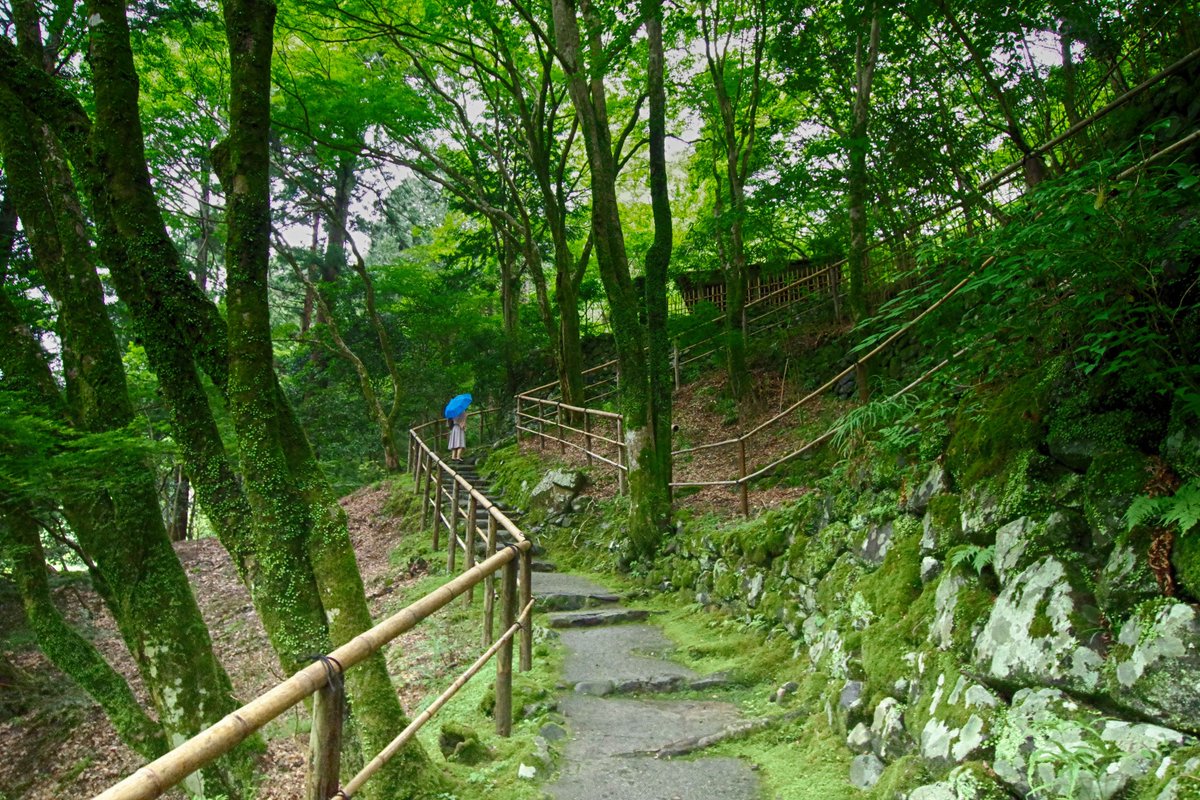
pixel 970 612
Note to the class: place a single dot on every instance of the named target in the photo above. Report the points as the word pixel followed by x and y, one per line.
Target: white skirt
pixel 458 437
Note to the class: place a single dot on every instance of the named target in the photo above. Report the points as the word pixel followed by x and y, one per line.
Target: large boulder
pixel 556 490
pixel 1155 665
pixel 1043 630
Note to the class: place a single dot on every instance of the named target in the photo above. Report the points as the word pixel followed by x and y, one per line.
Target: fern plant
pixel 979 557
pixel 1181 508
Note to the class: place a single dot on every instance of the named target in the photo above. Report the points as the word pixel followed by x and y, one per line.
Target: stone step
pixel 544 567
pixel 560 601
pixel 594 617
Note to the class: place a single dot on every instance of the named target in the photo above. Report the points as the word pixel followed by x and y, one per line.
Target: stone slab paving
pixel 608 755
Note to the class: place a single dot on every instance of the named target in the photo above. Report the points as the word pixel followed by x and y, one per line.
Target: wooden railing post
pixel 508 615
pixel 526 596
pixel 452 534
pixel 472 508
pixel 860 377
pixel 489 586
pixel 742 483
pixel 480 442
pixel 325 738
pixel 541 425
pixel 587 436
pixel 519 420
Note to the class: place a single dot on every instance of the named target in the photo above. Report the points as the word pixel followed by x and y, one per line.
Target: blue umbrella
pixel 457 405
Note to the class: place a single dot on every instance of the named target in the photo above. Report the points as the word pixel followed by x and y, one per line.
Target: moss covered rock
pixel 1071 750
pixel 1185 558
pixel 1025 540
pixel 1181 446
pixel 941 528
pixel 1155 665
pixel 1126 579
pixel 461 744
pixel 1043 630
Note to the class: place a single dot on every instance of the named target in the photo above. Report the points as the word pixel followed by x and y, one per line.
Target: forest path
pixel 613 660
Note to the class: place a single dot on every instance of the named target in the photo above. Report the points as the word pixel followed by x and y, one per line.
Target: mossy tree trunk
pixel 291 500
pixel 866 55
pixel 115 516
pixel 649 482
pixel 21 543
pixel 291 546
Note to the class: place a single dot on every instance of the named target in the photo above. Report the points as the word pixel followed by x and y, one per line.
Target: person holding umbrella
pixel 456 412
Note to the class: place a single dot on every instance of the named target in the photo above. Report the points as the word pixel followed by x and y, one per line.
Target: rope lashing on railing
pixel 334 674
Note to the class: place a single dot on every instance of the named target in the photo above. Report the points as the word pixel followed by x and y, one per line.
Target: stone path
pixel 610 653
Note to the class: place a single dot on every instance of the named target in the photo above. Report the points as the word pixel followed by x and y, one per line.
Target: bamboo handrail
pixel 828 434
pixel 385 755
pixel 1095 116
pixel 595 412
pixel 168 770
pixel 708 446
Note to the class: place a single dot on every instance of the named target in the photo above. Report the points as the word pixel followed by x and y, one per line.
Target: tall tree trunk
pixel 649 485
pixel 738 143
pixel 289 494
pixel 658 260
pixel 865 57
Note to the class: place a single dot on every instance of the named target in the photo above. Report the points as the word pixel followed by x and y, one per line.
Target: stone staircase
pixel 618 726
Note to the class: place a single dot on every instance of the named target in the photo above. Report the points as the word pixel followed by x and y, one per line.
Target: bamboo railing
pixel 322 679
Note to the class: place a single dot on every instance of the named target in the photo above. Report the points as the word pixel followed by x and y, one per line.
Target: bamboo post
pixel 489 585
pixel 325 739
pixel 411 451
pixel 743 486
pixel 519 422
pixel 437 504
pixel 425 501
pixel 620 457
pixel 472 508
pixel 562 443
pixel 508 613
pixel 860 377
pixel 526 598
pixel 587 436
pixel 480 427
pixel 418 458
pixel 452 534
pixel 541 425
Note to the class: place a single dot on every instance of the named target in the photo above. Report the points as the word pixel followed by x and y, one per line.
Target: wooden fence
pixel 506 552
